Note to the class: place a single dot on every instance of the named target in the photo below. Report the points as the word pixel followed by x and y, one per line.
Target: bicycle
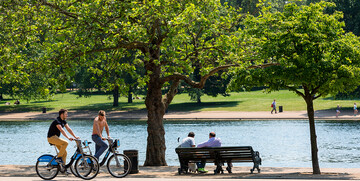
pixel 114 163
pixel 47 167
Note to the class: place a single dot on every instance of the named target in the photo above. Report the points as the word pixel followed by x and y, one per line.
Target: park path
pixel 27 172
pixel 189 115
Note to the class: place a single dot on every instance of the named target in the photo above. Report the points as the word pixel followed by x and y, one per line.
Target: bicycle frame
pixel 111 149
pixel 78 153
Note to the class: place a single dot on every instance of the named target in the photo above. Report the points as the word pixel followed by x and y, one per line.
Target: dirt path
pixel 191 115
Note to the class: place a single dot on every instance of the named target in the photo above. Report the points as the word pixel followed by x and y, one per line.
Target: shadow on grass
pixel 109 106
pixel 195 106
pixel 39 102
pixel 331 98
pixel 85 94
pixel 325 113
pixel 22 108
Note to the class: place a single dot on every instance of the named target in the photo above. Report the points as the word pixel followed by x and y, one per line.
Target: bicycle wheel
pixel 46 171
pixel 121 168
pixel 72 169
pixel 87 167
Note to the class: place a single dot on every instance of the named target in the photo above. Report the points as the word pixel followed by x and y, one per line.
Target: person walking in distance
pixel 273 106
pixel 355 109
pixel 55 129
pixel 338 110
pixel 99 124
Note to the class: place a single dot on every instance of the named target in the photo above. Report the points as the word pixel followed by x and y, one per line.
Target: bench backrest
pixel 235 154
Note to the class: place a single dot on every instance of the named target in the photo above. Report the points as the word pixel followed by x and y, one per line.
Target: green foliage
pixel 351 11
pixel 97 33
pixel 168 37
pixel 24 73
pixel 247 6
pixel 310 47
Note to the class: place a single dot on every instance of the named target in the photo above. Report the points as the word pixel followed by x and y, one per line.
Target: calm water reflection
pixel 283 143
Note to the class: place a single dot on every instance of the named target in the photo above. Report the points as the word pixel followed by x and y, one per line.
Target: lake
pixel 281 143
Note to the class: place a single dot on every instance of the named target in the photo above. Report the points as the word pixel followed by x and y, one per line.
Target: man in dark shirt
pixel 55 129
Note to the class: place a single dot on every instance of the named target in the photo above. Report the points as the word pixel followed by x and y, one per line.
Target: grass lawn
pixel 242 101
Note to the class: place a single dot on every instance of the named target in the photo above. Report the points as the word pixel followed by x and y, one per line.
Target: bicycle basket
pixel 116 143
pixel 86 143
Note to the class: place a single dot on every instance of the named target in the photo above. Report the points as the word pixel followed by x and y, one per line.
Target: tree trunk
pixel 116 96
pixel 155 151
pixel 198 98
pixel 314 148
pixel 130 100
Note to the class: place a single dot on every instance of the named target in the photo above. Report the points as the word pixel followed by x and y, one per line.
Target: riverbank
pixel 188 115
pixel 238 173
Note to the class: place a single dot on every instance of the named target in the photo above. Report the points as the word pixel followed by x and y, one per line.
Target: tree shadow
pixel 85 94
pixel 326 113
pixel 22 108
pixel 109 106
pixel 193 106
pixel 39 102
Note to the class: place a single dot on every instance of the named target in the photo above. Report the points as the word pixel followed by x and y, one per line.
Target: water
pixel 281 143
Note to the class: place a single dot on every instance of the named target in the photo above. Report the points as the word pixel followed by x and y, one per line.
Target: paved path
pixel 169 173
pixel 212 115
pixel 143 179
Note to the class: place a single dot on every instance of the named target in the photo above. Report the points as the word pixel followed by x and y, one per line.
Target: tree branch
pixel 133 45
pixel 203 79
pixel 201 83
pixel 296 91
pixel 72 15
pixel 263 65
pixel 169 96
pixel 317 96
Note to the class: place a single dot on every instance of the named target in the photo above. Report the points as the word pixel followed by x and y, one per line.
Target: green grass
pixel 243 101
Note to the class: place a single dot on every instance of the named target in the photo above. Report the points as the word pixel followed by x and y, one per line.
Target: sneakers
pixel 65 172
pixel 202 170
pixel 62 166
pixel 229 169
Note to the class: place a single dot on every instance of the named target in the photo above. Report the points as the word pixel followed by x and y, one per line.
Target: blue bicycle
pixel 118 165
pixel 86 166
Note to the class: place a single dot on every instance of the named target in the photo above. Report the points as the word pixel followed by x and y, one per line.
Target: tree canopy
pixel 314 55
pixel 168 37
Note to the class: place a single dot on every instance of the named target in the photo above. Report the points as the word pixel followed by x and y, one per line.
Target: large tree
pixel 315 57
pixel 23 73
pixel 169 36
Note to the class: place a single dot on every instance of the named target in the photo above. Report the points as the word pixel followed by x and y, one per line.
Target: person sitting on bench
pixel 189 142
pixel 212 142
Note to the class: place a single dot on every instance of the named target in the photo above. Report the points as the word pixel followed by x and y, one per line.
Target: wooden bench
pixel 218 156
